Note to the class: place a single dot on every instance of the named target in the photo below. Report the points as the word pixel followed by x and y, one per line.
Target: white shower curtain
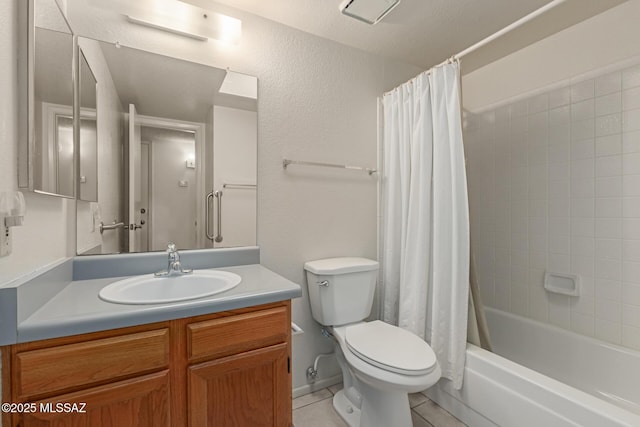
pixel 425 218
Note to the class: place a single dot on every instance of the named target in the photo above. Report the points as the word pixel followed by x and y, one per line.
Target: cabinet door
pixel 137 402
pixel 247 389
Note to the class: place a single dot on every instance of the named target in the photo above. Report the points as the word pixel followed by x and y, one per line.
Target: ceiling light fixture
pixel 177 17
pixel 165 27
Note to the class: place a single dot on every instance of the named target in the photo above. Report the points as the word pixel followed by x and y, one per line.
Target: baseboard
pixel 317 385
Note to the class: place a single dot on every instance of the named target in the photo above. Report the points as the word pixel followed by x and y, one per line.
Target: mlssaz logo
pixel 64 407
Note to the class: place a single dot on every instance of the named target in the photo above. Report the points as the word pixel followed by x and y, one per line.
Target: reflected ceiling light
pixel 369 11
pixel 240 85
pixel 177 17
pixel 165 27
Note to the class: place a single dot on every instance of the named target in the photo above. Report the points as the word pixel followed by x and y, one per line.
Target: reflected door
pixel 145 235
pixel 135 191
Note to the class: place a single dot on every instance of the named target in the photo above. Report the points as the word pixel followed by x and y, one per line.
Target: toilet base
pixel 347 411
pixel 379 408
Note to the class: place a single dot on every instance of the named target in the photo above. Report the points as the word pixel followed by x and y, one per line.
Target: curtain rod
pixel 497 34
pixel 510 27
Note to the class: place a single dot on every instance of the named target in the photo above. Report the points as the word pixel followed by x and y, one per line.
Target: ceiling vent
pixel 369 11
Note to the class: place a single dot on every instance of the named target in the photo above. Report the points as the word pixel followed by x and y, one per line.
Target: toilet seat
pixel 390 348
pixel 379 375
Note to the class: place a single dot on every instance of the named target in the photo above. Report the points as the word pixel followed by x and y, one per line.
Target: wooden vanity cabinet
pixel 225 369
pixel 239 369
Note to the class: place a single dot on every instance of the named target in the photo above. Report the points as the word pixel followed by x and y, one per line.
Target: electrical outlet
pixel 5 241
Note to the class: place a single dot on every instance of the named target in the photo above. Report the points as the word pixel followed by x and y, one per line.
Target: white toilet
pixel 380 363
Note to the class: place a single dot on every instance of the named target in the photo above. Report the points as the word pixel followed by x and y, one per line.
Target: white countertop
pixel 77 309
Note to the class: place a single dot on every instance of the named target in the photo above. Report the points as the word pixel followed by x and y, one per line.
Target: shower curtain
pixel 425 215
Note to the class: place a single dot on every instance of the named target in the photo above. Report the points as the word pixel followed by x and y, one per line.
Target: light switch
pixel 183 183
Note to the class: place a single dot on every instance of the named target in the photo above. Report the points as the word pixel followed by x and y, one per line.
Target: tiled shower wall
pixel 554 185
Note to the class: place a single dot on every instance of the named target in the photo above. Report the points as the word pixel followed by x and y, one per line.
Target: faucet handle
pixel 171 247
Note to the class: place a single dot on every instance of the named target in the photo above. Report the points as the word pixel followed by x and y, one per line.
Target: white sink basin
pixel 149 289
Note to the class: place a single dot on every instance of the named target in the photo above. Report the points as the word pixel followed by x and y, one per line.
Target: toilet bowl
pixel 380 363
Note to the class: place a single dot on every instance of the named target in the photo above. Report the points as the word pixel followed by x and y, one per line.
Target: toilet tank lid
pixel 342 265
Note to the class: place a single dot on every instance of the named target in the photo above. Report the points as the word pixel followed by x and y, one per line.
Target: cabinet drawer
pixel 238 333
pixel 41 372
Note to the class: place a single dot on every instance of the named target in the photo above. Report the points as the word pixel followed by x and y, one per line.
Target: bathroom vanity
pixel 228 368
pixel 216 361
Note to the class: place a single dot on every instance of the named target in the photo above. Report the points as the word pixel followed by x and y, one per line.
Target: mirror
pixel 46 153
pixel 88 147
pixel 183 137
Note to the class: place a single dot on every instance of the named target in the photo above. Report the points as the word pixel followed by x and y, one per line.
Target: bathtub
pixel 548 377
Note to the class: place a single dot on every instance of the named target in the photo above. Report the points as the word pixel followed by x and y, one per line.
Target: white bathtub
pixel 518 390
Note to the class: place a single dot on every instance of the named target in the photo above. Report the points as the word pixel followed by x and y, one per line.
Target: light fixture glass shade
pixel 177 17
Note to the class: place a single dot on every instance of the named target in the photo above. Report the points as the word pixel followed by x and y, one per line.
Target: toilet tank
pixel 341 289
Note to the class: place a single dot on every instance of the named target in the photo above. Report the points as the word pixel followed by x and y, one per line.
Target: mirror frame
pixel 26 104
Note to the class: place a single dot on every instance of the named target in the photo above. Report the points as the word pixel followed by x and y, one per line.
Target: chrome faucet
pixel 174 267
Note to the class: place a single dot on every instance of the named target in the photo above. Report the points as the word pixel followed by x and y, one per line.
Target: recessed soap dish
pixel 559 283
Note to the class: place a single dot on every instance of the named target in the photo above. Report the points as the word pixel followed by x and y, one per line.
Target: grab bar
pixel 110 226
pixel 207 216
pixel 218 195
pixel 287 162
pixel 239 186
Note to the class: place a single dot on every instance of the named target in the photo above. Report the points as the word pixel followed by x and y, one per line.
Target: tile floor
pixel 316 410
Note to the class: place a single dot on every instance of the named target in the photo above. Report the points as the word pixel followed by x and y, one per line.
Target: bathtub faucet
pixel 174 267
